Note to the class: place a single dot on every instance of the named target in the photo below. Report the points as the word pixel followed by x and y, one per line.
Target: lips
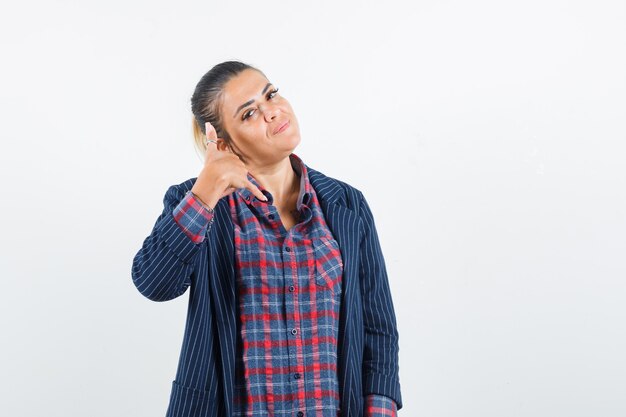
pixel 282 127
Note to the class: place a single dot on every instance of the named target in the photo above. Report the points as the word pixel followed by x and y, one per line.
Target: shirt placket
pixel 292 255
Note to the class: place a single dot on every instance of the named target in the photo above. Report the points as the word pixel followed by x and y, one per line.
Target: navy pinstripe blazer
pixel 169 262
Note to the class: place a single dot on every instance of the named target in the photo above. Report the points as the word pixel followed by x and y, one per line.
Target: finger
pixel 210 145
pixel 255 178
pixel 250 186
pixel 210 148
pixel 210 135
pixel 228 191
pixel 210 131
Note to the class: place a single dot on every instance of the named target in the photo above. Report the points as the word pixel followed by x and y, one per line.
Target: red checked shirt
pixel 289 294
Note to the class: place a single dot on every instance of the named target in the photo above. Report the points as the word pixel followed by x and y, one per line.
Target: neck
pixel 280 180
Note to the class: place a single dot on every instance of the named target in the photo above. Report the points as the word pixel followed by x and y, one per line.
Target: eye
pixel 269 96
pixel 272 93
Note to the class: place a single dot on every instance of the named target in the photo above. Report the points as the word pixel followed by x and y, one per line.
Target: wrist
pixel 205 202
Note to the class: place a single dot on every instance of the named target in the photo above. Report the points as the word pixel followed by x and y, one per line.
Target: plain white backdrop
pixel 487 136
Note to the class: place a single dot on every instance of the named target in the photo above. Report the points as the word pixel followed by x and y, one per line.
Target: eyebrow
pixel 247 103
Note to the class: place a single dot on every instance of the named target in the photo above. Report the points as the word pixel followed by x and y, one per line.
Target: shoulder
pixel 178 190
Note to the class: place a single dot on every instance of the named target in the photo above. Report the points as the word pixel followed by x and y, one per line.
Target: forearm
pixel 162 268
pixel 380 356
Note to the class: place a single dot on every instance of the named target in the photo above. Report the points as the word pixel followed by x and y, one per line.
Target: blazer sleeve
pixel 163 267
pixel 380 356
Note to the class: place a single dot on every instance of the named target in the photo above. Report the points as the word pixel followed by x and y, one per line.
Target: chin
pixel 291 140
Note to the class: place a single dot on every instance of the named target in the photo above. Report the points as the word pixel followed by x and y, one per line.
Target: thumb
pixel 210 131
pixel 210 141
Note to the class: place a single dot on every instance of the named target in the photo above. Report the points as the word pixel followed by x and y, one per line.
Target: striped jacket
pixel 169 262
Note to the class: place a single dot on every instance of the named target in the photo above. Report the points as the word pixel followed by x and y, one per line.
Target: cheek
pixel 253 129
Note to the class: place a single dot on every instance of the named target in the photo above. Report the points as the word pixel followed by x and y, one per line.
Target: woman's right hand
pixel 222 174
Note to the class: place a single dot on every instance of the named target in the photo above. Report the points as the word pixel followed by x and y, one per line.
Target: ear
pixel 222 145
pixel 231 144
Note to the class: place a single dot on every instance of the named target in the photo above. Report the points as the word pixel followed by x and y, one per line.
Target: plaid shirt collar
pixel 305 185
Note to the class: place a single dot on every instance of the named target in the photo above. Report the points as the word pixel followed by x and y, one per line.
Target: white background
pixel 487 136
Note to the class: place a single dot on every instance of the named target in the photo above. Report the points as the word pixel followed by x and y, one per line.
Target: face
pixel 252 112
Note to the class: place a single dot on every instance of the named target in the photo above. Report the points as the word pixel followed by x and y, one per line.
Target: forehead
pixel 246 85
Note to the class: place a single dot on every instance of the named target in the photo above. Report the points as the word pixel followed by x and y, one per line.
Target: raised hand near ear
pixel 223 172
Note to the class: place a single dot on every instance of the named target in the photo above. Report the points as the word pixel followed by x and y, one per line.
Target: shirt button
pixel 300 414
pixel 271 216
pixel 247 198
pixel 297 375
pixel 291 288
pixel 294 331
pixel 288 249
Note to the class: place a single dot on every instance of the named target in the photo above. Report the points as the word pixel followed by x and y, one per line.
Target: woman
pixel 290 311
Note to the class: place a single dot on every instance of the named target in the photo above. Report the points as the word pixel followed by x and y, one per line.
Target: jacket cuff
pixel 374 383
pixel 377 405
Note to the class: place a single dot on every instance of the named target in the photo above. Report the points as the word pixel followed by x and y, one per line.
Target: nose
pixel 270 112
